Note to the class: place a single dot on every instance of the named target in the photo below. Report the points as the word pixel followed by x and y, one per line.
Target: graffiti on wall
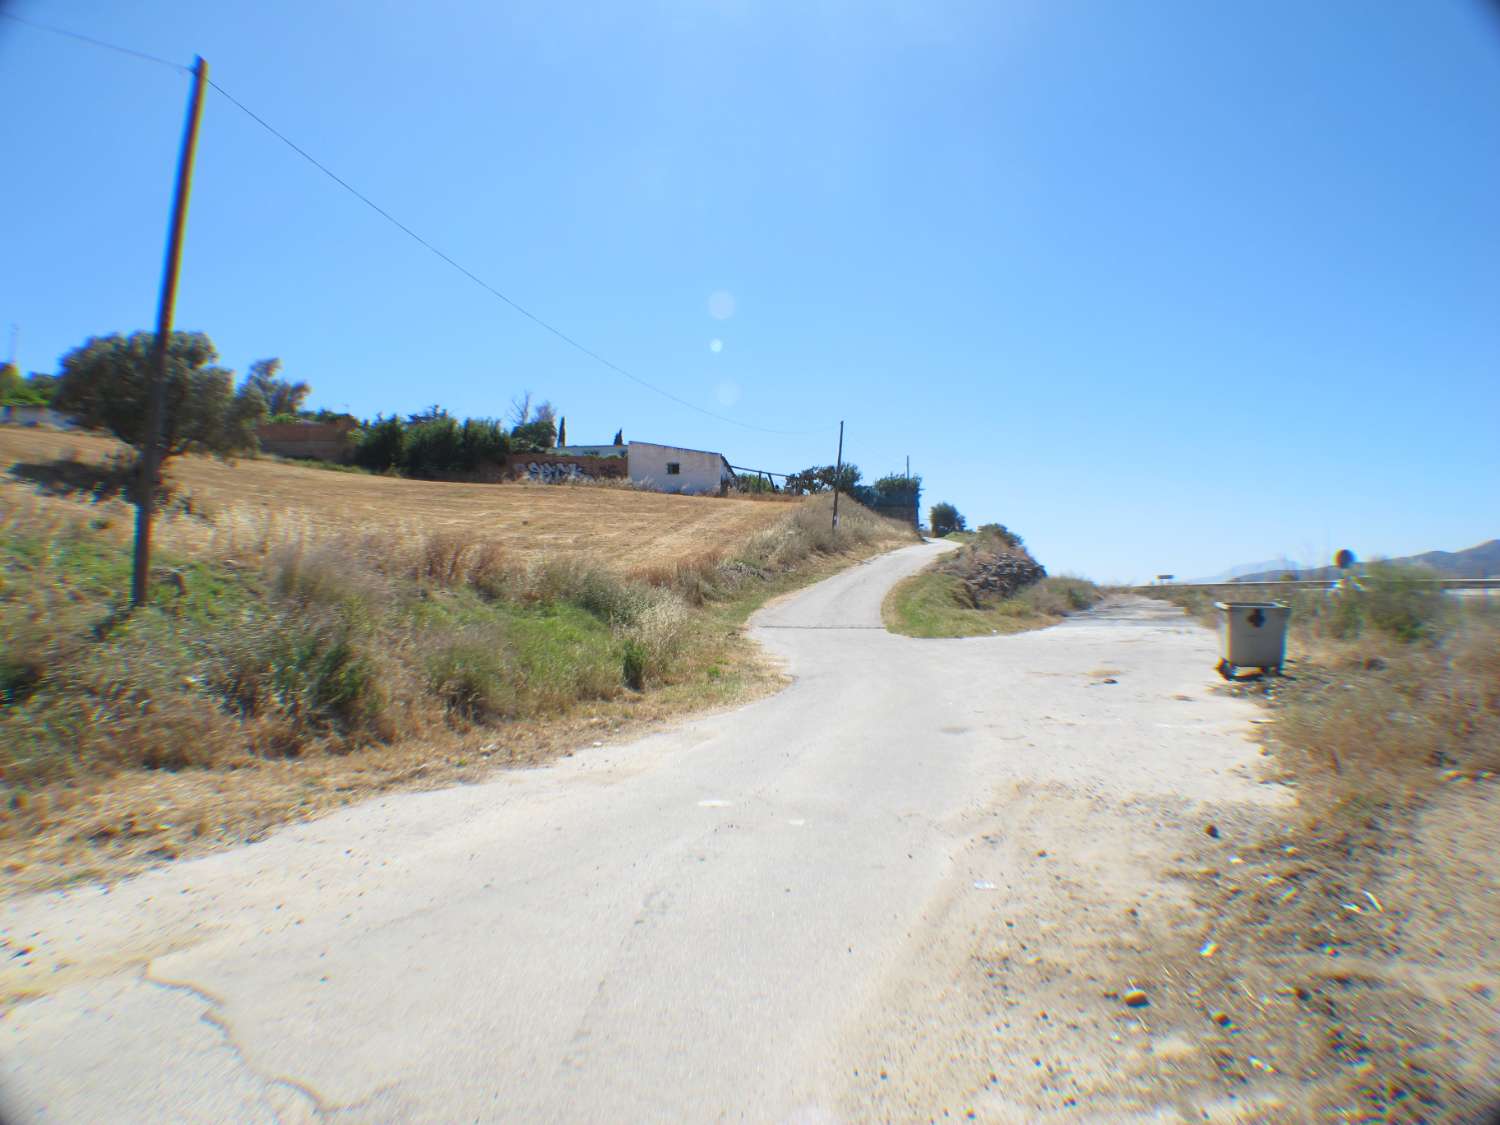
pixel 554 472
pixel 545 469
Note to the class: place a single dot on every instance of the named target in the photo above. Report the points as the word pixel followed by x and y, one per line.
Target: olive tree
pixel 105 384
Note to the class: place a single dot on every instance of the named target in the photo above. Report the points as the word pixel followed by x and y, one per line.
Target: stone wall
pixel 318 441
pixel 991 577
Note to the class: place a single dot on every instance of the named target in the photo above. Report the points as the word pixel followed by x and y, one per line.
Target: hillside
pixel 314 637
pixel 622 529
pixel 1482 561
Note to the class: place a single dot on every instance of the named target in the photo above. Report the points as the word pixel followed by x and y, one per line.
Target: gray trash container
pixel 1253 635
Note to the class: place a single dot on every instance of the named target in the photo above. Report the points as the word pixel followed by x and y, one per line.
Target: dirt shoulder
pixel 1186 959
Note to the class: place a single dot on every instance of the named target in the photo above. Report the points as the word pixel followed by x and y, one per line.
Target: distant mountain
pixel 1482 561
pixel 1277 566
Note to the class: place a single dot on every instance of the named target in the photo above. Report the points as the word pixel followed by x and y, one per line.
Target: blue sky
pixel 1163 286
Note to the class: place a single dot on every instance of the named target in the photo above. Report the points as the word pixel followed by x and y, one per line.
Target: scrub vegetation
pixel 934 604
pixel 989 585
pixel 1366 923
pixel 274 677
pixel 1392 684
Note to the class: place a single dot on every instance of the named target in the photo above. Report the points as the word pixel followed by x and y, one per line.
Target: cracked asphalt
pixel 704 924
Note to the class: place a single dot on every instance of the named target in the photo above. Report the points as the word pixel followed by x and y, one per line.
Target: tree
pixel 945 519
pixel 105 383
pixel 484 442
pixel 619 437
pixel 381 448
pixel 431 414
pixel 562 431
pixel 534 437
pixel 533 429
pixel 520 410
pixel 434 446
pixel 282 396
pixel 821 478
pixel 34 390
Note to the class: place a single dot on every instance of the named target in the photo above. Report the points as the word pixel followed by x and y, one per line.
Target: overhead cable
pixel 410 233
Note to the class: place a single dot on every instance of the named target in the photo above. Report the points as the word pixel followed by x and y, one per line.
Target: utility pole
pixel 156 396
pixel 15 333
pixel 838 472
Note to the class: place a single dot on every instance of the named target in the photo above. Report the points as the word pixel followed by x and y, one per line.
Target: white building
pixel 27 415
pixel 668 468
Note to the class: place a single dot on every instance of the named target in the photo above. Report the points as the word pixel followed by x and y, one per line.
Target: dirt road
pixel 765 915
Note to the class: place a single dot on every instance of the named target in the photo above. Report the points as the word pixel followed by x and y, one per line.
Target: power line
pixel 410 233
pixel 475 278
pixel 95 42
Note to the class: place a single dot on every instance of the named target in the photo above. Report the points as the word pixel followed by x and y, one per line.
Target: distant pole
pixel 15 332
pixel 838 472
pixel 157 392
pixel 908 466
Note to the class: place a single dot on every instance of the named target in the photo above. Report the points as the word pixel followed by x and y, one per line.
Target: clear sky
pixel 1163 286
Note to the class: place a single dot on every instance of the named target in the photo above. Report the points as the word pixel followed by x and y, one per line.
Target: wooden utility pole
pixel 151 457
pixel 838 473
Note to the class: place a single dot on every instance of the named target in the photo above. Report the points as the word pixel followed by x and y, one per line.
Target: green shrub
pixel 381 448
pixel 433 447
pixel 1399 601
pixel 473 679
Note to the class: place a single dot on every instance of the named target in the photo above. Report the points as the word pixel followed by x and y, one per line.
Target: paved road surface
pixel 696 926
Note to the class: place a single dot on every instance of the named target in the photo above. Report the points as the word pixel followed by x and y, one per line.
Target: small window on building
pixel 674 468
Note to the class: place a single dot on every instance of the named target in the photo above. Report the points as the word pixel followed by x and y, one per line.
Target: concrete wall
pixel 698 471
pixel 320 441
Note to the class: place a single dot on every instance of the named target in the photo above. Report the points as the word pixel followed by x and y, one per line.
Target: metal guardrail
pixel 1316 584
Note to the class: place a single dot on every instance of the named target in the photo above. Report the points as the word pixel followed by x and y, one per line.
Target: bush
pixel 1398 601
pixel 381 448
pixel 1002 534
pixel 483 441
pixel 473 679
pixel 432 444
pixel 433 447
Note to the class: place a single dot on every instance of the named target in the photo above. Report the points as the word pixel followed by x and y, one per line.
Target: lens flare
pixel 721 304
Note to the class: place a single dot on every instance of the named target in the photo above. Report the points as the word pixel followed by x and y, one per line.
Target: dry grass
pixel 939 602
pixel 282 671
pixel 1391 688
pixel 1355 943
pixel 253 505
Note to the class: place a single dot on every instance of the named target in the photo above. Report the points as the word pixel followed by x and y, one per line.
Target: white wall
pixel 36 416
pixel 701 472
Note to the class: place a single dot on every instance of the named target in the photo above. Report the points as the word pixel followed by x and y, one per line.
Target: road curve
pixel 687 927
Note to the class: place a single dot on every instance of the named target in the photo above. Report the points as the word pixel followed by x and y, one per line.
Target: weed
pixel 490 572
pixel 443 557
pixel 936 603
pixel 474 680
